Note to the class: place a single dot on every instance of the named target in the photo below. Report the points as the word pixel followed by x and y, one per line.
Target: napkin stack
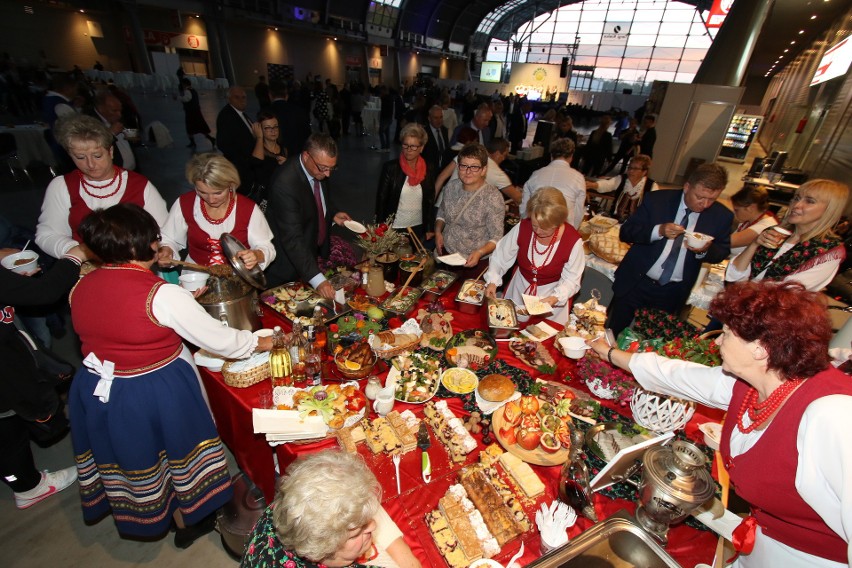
pixel 282 426
pixel 553 522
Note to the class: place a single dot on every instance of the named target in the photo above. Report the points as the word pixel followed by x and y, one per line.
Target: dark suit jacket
pixel 236 142
pixel 391 181
pixel 661 207
pixel 117 158
pixel 433 157
pixel 295 125
pixel 292 215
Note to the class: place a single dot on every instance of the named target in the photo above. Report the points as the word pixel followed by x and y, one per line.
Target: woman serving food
pixel 95 184
pixel 327 512
pixel 198 219
pixel 788 414
pixel 548 252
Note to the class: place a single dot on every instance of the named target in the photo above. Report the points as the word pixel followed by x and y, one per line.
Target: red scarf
pixel 418 174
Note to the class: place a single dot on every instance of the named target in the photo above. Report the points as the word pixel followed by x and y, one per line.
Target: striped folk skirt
pixel 150 450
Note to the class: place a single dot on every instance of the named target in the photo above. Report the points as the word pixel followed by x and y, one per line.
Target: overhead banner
pixel 718 12
pixel 615 33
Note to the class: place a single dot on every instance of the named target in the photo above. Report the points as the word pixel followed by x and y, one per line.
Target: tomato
pixel 528 438
pixel 549 443
pixel 508 435
pixel 529 404
pixel 512 413
pixel 356 401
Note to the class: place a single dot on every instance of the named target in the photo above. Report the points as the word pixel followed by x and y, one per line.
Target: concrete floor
pixel 52 532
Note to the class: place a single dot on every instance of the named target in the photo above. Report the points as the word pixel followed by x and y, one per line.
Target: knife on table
pixel 423 442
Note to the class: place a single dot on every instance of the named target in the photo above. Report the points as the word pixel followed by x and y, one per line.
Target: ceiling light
pixel 786 50
pixel 82 11
pixel 813 17
pixel 780 57
pixel 793 42
pixel 801 32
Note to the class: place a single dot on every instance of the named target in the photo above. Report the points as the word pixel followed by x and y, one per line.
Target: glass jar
pixel 374 385
pixel 375 281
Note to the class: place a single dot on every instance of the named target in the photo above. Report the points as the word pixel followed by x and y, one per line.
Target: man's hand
pixel 326 290
pixel 671 230
pixel 165 256
pixel 341 217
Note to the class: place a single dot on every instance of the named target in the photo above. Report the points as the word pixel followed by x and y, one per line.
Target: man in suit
pixel 295 123
pixel 660 269
pixel 235 137
pixel 478 126
pixel 108 109
pixel 300 213
pixel 519 124
pixel 438 144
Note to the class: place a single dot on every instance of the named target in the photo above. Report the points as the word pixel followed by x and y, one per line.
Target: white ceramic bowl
pixel 192 281
pixel 21 262
pixel 697 240
pixel 573 347
pixel 712 434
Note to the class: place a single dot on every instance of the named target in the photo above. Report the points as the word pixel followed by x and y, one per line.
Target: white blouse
pixel 824 473
pixel 409 211
pixel 53 233
pixel 259 232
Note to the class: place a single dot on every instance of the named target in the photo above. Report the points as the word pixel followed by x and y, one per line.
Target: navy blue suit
pixel 632 289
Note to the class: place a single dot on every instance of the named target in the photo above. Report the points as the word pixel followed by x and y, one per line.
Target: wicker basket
pixel 397 349
pixel 354 375
pixel 247 378
pixel 660 413
pixel 608 246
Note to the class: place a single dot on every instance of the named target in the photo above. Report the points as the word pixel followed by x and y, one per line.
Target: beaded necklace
pixel 760 412
pixel 211 220
pixel 86 185
pixel 547 252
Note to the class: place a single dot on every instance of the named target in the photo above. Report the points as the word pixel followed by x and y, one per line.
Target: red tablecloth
pixel 232 410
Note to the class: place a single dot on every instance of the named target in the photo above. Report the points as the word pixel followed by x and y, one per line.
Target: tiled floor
pixel 52 533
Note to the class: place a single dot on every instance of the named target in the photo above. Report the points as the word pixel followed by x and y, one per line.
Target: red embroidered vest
pixel 552 271
pixel 197 238
pixel 133 193
pixel 765 475
pixel 111 309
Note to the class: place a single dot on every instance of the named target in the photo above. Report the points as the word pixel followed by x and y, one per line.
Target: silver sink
pixel 617 542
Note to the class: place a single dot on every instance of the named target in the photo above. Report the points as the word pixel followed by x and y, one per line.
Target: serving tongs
pixel 423 442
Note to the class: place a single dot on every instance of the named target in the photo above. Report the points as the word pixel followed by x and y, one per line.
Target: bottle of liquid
pixel 313 366
pixel 298 348
pixel 574 487
pixel 280 365
pixel 320 331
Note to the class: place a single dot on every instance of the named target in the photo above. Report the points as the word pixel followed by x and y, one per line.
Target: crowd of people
pixel 138 395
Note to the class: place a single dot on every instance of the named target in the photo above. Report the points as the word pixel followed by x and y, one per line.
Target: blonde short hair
pixel 82 128
pixel 548 207
pixel 213 169
pixel 320 499
pixel 834 193
pixel 414 130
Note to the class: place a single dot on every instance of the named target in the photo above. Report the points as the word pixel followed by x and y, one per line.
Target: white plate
pixel 454 259
pixel 355 227
pixel 205 359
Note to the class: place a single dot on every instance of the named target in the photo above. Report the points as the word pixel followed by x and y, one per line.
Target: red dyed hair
pixel 791 323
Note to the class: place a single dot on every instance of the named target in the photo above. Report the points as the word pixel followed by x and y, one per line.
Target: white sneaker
pixel 50 484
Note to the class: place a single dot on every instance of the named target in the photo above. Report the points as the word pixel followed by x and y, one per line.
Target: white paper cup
pixel 779 230
pixel 21 262
pixel 192 281
pixel 573 347
pixel 697 240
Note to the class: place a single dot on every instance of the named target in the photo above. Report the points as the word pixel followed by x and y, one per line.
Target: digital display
pixel 834 63
pixel 490 71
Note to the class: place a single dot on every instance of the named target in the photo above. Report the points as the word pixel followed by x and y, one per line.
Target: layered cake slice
pixel 449 429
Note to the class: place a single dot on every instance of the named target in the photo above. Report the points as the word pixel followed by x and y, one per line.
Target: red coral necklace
pixel 211 220
pixel 86 185
pixel 760 412
pixel 547 252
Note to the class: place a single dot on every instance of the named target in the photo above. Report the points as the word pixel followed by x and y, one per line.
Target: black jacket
pixel 391 181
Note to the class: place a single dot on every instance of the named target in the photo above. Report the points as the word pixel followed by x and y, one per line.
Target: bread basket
pixel 608 246
pixel 248 372
pixel 388 354
pixel 356 374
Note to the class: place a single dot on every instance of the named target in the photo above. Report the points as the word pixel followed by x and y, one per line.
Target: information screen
pixel 490 71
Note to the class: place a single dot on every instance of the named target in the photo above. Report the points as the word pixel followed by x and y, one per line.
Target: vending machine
pixel 741 133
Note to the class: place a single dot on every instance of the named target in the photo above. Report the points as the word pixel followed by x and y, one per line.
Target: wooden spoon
pixel 215 270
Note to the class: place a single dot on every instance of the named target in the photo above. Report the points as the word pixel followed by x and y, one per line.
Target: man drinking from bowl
pixel 661 268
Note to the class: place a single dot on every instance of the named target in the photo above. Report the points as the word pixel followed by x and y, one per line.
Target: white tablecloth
pixel 32 147
pixel 710 280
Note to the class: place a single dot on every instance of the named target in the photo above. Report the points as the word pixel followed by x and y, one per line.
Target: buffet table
pixel 31 144
pixel 232 410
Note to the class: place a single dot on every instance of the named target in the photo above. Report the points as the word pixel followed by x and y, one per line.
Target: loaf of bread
pixel 608 246
pixel 496 388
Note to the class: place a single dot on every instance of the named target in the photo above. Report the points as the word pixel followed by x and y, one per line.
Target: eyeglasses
pixel 411 146
pixel 271 127
pixel 468 168
pixel 320 167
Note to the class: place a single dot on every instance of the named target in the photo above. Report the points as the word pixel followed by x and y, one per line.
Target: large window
pixel 629 43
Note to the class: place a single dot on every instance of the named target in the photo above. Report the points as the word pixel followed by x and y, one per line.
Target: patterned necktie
pixel 671 260
pixel 320 213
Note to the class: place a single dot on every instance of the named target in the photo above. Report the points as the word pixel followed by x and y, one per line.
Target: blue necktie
pixel 671 260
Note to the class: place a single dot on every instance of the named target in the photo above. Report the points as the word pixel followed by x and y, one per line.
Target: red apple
pixel 507 434
pixel 512 413
pixel 528 438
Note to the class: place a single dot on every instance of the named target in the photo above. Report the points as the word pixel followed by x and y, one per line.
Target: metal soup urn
pixel 233 299
pixel 674 482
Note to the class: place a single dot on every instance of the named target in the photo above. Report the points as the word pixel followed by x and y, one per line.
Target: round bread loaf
pixel 496 388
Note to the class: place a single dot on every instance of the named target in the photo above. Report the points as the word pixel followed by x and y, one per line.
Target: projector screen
pixel 834 63
pixel 490 71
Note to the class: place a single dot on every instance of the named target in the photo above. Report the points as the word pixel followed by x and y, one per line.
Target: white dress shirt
pixel 570 182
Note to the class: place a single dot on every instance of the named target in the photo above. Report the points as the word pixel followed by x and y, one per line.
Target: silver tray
pixel 303 308
pixel 450 276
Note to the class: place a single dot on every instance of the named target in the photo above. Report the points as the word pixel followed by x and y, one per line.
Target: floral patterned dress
pixel 264 550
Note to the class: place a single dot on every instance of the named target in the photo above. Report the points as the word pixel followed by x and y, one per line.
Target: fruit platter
pixel 402 302
pixel 296 302
pixel 438 282
pixel 537 430
pixel 415 377
pixel 472 348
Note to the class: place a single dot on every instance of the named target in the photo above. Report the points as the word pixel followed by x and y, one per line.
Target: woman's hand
pixel 491 291
pixel 250 258
pixel 79 251
pixel 341 217
pixel 599 346
pixel 280 159
pixel 473 259
pixel 439 242
pixel 257 130
pixel 264 343
pixel 550 300
pixel 165 256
